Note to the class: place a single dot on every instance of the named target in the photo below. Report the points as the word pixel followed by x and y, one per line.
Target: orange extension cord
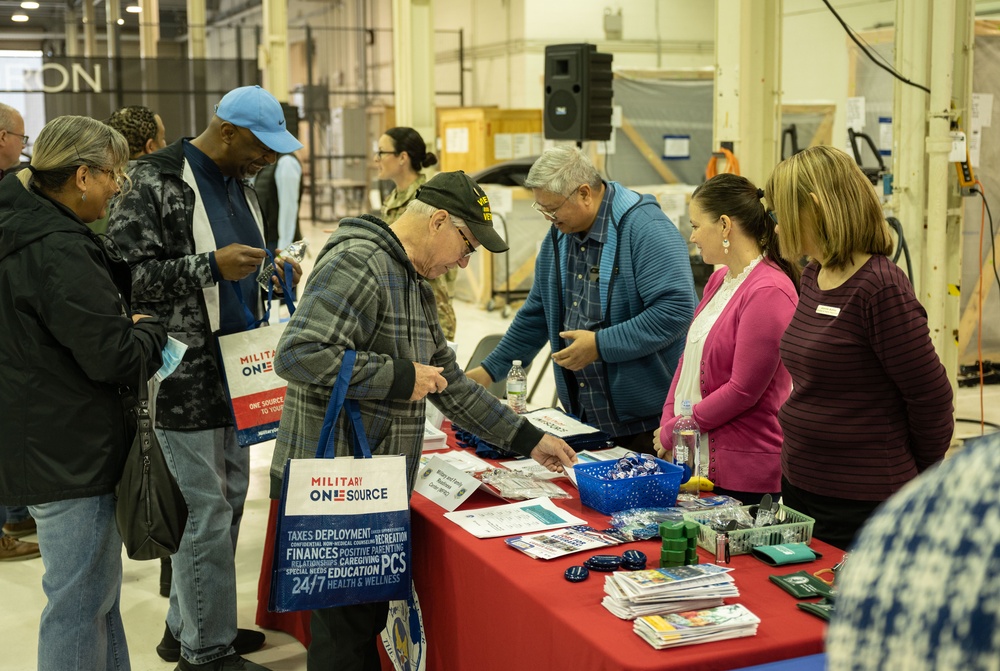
pixel 732 165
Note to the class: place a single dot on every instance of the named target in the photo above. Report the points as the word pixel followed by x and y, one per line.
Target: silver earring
pixel 83 196
pixel 725 246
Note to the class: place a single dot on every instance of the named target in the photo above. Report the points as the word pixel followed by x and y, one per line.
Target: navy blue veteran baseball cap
pixel 258 111
pixel 457 194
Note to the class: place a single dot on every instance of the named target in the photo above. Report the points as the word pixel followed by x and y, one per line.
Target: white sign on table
pixel 444 484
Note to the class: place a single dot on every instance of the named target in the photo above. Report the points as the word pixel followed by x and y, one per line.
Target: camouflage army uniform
pixel 444 286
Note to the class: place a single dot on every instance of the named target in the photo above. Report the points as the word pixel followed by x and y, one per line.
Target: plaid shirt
pixel 584 311
pixel 365 295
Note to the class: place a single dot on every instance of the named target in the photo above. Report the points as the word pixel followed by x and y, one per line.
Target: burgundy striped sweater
pixel 871 404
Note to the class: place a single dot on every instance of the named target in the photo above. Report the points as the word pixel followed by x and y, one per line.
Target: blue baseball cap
pixel 258 111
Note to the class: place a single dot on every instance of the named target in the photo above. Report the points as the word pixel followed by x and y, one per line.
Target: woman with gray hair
pixel 71 351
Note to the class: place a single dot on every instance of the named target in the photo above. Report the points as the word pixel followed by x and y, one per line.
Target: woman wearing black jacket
pixel 71 350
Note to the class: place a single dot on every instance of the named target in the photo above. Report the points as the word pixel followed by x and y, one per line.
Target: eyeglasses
pixel 118 178
pixel 551 214
pixel 380 153
pixel 472 250
pixel 24 138
pixel 773 216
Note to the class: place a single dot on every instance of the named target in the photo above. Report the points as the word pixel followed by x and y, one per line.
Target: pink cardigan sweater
pixel 743 382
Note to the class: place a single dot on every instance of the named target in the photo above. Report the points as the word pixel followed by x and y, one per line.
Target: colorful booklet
pixel 561 542
pixel 697 626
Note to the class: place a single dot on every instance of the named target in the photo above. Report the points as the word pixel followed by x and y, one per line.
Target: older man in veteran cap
pixel 191 230
pixel 367 293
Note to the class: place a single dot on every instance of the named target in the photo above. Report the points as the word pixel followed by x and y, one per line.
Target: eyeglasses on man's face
pixel 551 214
pixel 472 250
pixel 381 152
pixel 24 138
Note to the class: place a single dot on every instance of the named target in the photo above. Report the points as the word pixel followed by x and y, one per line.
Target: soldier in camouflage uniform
pixel 191 230
pixel 409 155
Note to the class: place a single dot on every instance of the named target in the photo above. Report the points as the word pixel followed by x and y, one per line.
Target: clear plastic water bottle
pixel 517 388
pixel 295 251
pixel 687 449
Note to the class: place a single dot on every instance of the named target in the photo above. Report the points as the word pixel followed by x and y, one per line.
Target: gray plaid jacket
pixel 365 295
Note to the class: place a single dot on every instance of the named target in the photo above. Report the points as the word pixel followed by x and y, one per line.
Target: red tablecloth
pixel 487 606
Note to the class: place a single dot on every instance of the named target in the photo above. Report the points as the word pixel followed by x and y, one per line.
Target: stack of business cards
pixel 697 626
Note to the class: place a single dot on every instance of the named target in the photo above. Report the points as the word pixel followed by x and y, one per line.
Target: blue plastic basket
pixel 610 496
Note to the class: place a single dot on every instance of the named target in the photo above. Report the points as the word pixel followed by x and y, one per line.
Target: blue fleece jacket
pixel 648 293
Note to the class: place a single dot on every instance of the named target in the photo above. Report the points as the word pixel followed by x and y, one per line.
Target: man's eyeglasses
pixel 551 214
pixel 472 250
pixel 380 153
pixel 261 147
pixel 24 138
pixel 118 178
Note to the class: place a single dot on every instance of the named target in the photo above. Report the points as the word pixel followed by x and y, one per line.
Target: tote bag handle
pixel 339 400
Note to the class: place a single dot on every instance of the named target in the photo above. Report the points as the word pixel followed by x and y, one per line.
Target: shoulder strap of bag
pixel 145 422
pixel 339 400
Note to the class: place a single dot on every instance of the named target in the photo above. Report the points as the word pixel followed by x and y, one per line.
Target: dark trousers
pixel 837 520
pixel 638 442
pixel 347 638
pixel 746 498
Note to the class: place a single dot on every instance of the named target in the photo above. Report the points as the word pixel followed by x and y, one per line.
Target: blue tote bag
pixel 343 532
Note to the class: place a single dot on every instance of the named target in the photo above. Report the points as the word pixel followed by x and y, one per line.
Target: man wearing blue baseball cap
pixel 191 231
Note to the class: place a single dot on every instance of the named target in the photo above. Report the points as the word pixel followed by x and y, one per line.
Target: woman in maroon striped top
pixel 871 404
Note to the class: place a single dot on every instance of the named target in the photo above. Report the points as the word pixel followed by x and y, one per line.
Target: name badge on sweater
pixel 827 310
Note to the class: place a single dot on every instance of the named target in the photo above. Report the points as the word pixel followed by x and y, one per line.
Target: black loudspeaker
pixel 578 93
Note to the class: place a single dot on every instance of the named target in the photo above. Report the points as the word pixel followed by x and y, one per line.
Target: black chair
pixel 484 349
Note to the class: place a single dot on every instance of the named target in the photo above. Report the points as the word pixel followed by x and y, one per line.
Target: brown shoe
pixel 12 549
pixel 18 529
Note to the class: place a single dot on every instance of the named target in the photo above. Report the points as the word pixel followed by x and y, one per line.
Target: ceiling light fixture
pixel 29 4
pixel 134 9
pixel 121 22
pixel 20 18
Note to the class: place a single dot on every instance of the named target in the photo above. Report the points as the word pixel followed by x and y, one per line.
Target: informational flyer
pixel 523 517
pixel 561 542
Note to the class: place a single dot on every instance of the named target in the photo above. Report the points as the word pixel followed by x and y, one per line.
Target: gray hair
pixel 66 143
pixel 7 116
pixel 422 208
pixel 562 170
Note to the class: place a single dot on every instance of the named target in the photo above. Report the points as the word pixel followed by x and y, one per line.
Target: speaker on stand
pixel 578 93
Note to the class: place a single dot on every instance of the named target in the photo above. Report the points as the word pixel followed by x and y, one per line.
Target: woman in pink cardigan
pixel 731 371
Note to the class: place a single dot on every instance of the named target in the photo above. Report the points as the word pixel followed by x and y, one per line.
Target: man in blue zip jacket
pixel 613 295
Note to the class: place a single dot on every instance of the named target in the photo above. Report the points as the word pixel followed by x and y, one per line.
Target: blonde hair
pixel 822 188
pixel 66 143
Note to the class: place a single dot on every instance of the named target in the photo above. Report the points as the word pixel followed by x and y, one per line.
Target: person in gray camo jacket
pixel 191 231
pixel 367 293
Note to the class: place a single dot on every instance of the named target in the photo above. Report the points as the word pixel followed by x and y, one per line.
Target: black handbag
pixel 149 508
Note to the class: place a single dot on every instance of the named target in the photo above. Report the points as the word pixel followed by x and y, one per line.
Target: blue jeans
pixel 213 473
pixel 81 627
pixel 12 514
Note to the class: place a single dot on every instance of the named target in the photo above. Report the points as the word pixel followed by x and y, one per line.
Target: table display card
pixel 444 484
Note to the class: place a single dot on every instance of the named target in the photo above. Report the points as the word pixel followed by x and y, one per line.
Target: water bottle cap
pixel 517 362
